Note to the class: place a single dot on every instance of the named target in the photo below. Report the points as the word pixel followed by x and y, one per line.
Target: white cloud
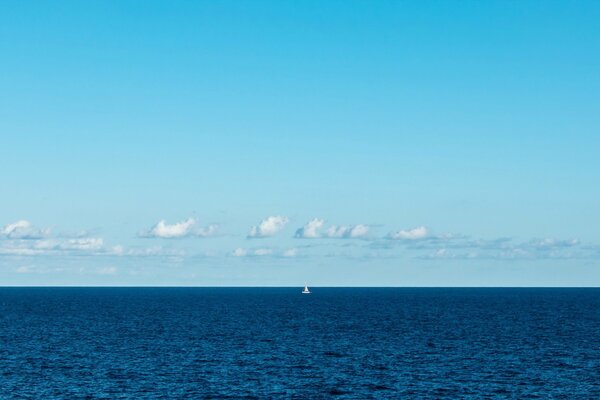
pixel 176 230
pixel 15 227
pixel 61 247
pixel 154 251
pixel 57 244
pixel 506 249
pixel 19 251
pixel 117 250
pixel 347 232
pixel 550 243
pixel 52 246
pixel 82 244
pixel 268 227
pixel 239 252
pixel 447 255
pixel 263 252
pixel 311 229
pixel 411 234
pixel 179 230
pixel 21 239
pixel 23 230
pixel 208 231
pixel 290 253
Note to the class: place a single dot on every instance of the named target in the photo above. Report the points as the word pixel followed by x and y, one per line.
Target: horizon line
pixel 294 286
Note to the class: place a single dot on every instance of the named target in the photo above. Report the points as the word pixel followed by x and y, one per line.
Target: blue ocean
pixel 192 343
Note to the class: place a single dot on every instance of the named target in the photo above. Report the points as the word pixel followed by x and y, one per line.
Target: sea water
pixel 278 343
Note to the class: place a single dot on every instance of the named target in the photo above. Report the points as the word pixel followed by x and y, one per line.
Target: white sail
pixel 306 291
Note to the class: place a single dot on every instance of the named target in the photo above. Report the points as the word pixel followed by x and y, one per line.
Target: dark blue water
pixel 251 342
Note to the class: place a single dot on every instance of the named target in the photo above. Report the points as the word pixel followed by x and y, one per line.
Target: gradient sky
pixel 430 143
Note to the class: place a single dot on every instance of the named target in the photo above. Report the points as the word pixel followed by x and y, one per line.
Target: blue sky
pixel 337 143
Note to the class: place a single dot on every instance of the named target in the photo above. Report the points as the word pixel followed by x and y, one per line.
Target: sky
pixel 273 143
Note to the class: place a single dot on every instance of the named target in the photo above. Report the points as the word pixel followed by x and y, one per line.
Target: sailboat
pixel 306 291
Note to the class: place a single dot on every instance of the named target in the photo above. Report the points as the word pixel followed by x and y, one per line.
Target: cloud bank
pixel 507 249
pixel 22 239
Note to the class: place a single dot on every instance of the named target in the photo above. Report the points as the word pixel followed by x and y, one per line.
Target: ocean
pixel 193 343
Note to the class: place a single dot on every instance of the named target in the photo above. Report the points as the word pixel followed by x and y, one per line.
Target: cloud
pixel 420 238
pixel 311 229
pixel 19 251
pixel 176 230
pixel 411 234
pixel 210 230
pixel 53 246
pixel 23 230
pixel 22 239
pixel 507 249
pixel 82 244
pixel 290 253
pixel 347 232
pixel 446 254
pixel 154 251
pixel 117 250
pixel 181 229
pixel 241 252
pixel 268 227
pixel 15 227
pixel 549 243
pixel 263 252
